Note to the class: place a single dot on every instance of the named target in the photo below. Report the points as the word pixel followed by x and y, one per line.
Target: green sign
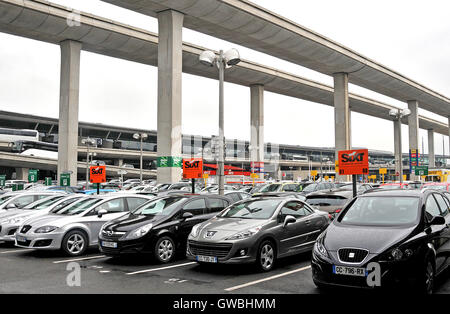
pixel 64 179
pixel 2 180
pixel 170 161
pixel 421 170
pixel 32 175
pixel 17 187
pixel 48 181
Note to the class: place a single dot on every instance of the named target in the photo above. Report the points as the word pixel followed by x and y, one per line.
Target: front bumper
pixel 226 252
pixel 123 246
pixel 393 273
pixel 39 241
pixel 7 232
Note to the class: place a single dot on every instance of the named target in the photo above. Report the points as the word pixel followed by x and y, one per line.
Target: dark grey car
pixel 257 230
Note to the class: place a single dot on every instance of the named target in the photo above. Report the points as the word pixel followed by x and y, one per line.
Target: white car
pixel 20 199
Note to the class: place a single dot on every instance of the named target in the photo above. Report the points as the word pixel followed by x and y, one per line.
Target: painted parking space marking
pixel 251 283
pixel 79 259
pixel 160 268
pixel 15 251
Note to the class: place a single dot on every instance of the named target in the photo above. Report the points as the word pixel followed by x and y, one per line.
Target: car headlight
pixel 398 254
pixel 139 232
pixel 245 234
pixel 319 247
pixel 13 221
pixel 195 231
pixel 45 229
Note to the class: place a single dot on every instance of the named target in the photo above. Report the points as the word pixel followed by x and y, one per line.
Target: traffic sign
pixel 192 168
pixel 2 180
pixel 353 161
pixel 413 159
pixel 64 179
pixel 254 175
pixel 382 170
pixel 32 175
pixel 97 174
pixel 314 173
pixel 421 170
pixel 48 181
pixel 205 176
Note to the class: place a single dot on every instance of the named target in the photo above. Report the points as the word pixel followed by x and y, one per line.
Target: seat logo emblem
pixel 351 255
pixel 110 233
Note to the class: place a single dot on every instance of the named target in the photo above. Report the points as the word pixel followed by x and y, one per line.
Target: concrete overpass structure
pixel 41 20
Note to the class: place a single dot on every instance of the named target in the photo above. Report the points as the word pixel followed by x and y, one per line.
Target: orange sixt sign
pixel 353 161
pixel 97 174
pixel 192 168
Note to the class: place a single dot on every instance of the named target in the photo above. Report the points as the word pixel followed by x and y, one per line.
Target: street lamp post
pixel 398 114
pixel 87 141
pixel 142 137
pixel 221 61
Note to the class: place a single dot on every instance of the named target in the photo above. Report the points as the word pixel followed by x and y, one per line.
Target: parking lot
pixel 29 271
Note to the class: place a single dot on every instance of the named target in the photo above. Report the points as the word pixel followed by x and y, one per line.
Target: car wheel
pixel 426 280
pixel 266 256
pixel 75 243
pixel 164 249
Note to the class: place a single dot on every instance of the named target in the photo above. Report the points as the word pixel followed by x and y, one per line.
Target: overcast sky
pixel 409 36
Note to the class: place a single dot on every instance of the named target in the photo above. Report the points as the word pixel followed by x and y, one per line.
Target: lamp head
pixel 207 58
pixel 394 113
pixel 232 57
pixel 405 112
pixel 136 136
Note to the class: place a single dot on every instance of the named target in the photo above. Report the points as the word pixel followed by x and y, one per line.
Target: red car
pixel 393 186
pixel 441 186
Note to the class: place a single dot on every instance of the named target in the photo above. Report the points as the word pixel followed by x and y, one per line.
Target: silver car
pixel 75 227
pixel 11 220
pixel 15 200
pixel 257 230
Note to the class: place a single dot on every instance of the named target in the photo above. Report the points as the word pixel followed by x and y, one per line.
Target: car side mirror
pixel 437 220
pixel 101 212
pixel 288 220
pixel 11 206
pixel 187 215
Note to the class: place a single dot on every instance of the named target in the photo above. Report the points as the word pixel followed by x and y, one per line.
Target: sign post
pixel 97 174
pixel 193 169
pixel 382 171
pixel 353 162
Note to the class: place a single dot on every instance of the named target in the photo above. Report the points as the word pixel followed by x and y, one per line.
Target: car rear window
pixel 331 200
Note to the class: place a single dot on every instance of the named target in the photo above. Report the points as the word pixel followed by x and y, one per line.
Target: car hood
pixel 51 220
pixel 10 213
pixel 374 239
pixel 18 214
pixel 131 222
pixel 226 227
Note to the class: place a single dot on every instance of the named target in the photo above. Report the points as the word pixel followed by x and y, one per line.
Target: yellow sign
pixel 205 176
pixel 254 175
pixel 372 177
pixel 382 170
pixel 314 173
pixel 327 177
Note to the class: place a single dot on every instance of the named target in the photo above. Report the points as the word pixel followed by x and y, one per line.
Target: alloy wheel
pixel 75 243
pixel 165 250
pixel 266 257
pixel 429 278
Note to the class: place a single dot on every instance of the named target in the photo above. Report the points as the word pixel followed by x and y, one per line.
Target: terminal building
pixel 118 149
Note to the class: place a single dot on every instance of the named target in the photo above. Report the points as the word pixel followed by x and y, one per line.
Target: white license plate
pixel 349 271
pixel 207 259
pixel 109 244
pixel 21 239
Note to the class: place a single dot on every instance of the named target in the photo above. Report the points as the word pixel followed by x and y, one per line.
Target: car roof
pixel 397 192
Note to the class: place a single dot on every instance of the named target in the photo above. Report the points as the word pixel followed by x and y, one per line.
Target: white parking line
pixel 160 268
pixel 14 251
pixel 79 259
pixel 267 279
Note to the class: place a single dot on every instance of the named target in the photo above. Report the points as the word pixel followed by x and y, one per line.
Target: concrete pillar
pixel 257 124
pixel 118 162
pixel 342 127
pixel 170 24
pixel 397 146
pixel 22 174
pixel 413 126
pixel 431 156
pixel 68 109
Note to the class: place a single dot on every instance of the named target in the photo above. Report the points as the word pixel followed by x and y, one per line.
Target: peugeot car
pixel 403 233
pixel 161 226
pixel 75 227
pixel 257 230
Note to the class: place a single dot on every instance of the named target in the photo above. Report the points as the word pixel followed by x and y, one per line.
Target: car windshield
pixel 5 198
pixel 310 188
pixel 331 200
pixel 161 206
pixel 255 209
pixel 270 188
pixel 43 203
pixel 382 211
pixel 79 207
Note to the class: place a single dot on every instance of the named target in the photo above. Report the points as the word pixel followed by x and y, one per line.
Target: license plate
pixel 207 259
pixel 21 239
pixel 349 271
pixel 109 244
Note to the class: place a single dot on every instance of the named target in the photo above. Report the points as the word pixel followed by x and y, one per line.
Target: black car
pixel 159 227
pixel 405 232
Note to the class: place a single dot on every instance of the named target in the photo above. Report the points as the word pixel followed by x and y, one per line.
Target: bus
pixel 12 135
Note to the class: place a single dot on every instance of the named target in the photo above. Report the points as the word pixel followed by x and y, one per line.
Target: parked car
pixel 280 194
pixel 331 202
pixel 394 186
pixel 318 186
pixel 75 227
pixel 281 187
pixel 15 200
pixel 159 227
pixel 405 231
pixel 257 230
pixel 441 186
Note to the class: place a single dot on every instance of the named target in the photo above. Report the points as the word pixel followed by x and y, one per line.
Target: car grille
pixel 209 249
pixel 351 255
pixel 113 235
pixel 25 229
pixel 24 243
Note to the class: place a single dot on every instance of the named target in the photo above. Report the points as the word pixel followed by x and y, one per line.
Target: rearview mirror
pixel 437 220
pixel 187 215
pixel 288 220
pixel 11 206
pixel 101 212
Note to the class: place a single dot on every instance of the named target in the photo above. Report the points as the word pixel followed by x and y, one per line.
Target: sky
pixel 409 36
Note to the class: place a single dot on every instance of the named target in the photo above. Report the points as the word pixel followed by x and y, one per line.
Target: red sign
pixel 97 174
pixel 353 161
pixel 193 168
